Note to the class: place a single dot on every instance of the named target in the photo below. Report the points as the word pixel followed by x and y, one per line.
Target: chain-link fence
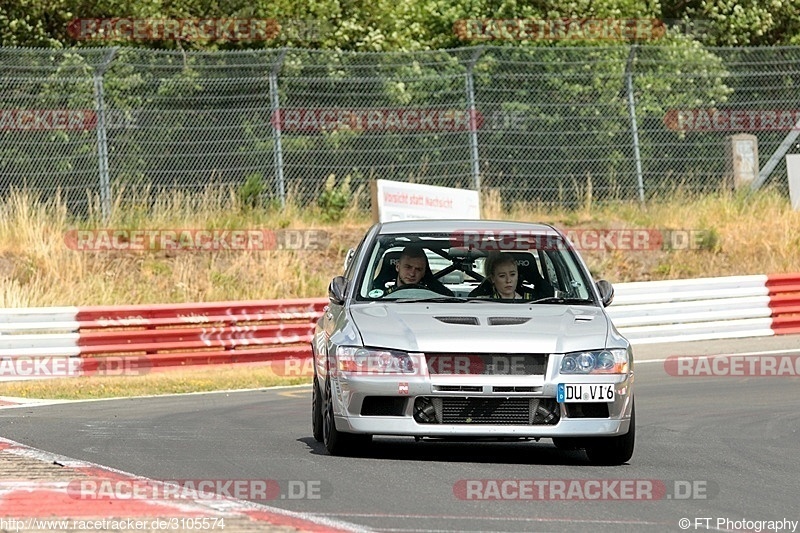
pixel 545 125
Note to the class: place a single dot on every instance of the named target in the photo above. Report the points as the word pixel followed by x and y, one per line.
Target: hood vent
pixel 463 320
pixel 507 320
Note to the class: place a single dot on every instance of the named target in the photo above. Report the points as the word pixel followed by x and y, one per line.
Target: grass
pixel 748 235
pixel 200 379
pixel 37 268
pixel 754 234
pixel 742 234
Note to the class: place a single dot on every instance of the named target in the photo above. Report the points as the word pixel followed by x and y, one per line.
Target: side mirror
pixel 337 289
pixel 606 292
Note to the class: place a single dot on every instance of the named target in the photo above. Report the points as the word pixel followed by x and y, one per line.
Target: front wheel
pixel 613 450
pixel 338 442
pixel 316 412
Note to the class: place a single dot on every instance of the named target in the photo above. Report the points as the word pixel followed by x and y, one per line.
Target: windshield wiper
pixel 562 300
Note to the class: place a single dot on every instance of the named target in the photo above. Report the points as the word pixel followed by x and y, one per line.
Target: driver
pixel 411 266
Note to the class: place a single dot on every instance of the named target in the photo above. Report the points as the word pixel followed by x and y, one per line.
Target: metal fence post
pixel 473 123
pixel 776 158
pixel 277 147
pixel 102 139
pixel 634 129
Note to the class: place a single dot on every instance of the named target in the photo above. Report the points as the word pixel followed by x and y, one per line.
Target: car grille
pixel 456 388
pixel 493 364
pixel 526 390
pixel 501 411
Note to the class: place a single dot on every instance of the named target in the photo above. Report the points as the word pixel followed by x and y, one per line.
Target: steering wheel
pixel 422 287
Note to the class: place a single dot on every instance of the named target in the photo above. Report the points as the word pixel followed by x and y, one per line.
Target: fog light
pixel 543 414
pixel 424 412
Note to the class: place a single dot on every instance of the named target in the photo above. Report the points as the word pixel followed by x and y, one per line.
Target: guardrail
pixel 784 302
pixel 102 338
pixel 164 335
pixel 707 308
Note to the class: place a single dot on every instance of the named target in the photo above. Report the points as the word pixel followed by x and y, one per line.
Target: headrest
pixel 527 267
pixel 388 271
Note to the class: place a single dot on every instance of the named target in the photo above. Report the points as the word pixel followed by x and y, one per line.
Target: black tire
pixel 568 443
pixel 613 450
pixel 316 412
pixel 338 442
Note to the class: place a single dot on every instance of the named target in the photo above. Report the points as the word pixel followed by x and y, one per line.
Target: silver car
pixel 447 358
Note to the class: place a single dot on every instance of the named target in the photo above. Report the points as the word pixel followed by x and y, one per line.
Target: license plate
pixel 585 392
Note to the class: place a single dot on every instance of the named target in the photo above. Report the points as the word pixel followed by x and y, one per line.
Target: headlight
pixel 596 362
pixel 372 361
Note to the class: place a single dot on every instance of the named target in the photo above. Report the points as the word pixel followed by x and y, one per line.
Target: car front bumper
pixel 584 427
pixel 351 391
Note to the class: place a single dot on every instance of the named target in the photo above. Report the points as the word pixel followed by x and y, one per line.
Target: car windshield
pixel 509 266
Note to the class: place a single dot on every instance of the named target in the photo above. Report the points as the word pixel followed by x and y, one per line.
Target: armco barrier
pixel 174 335
pixel 164 335
pixel 707 308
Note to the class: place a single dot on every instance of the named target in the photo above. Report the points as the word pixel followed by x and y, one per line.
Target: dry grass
pixel 748 235
pixel 200 379
pixel 37 268
pixel 743 234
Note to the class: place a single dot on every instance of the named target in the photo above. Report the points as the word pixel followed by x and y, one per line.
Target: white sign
pixel 793 173
pixel 395 200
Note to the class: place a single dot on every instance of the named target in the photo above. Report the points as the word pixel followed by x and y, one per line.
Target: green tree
pixel 741 22
pixel 389 25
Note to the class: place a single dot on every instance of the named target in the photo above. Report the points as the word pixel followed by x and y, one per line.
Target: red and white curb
pixel 50 498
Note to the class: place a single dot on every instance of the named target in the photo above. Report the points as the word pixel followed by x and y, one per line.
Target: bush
pixel 334 201
pixel 251 193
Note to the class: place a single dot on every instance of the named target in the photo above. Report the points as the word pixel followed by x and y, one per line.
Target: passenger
pixel 501 270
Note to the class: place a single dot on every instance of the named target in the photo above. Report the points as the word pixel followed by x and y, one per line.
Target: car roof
pixel 454 225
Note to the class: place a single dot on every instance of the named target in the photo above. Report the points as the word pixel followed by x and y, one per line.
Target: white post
pixel 793 173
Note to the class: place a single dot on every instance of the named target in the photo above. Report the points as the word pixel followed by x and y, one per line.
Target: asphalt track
pixel 726 449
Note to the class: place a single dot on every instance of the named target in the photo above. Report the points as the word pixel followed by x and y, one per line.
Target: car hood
pixel 481 327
